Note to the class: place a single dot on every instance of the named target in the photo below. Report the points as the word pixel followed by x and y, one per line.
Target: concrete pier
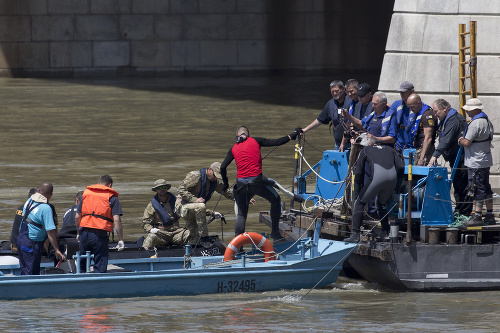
pixel 422 47
pixel 82 38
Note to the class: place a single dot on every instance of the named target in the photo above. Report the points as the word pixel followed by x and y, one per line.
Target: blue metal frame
pixel 333 167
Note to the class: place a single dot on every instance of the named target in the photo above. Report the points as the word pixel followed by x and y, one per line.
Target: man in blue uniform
pixel 331 112
pixel 380 124
pixel 352 86
pixel 37 225
pixel 402 112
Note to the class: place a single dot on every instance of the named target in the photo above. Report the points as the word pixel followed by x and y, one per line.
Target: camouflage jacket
pixel 190 187
pixel 152 219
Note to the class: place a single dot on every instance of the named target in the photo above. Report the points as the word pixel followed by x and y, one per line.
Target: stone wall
pixel 78 38
pixel 422 47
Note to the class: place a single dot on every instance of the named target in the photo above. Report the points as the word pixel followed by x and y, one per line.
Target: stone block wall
pixel 422 47
pixel 75 38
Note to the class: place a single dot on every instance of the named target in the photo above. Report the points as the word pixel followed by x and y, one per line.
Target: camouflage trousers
pixel 176 236
pixel 427 157
pixel 195 215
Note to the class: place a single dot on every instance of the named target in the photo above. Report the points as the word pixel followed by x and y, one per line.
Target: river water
pixel 70 132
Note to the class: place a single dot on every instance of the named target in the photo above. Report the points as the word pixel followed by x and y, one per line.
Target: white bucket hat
pixel 473 104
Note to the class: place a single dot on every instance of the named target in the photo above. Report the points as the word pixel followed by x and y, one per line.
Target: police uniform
pixel 425 119
pixel 402 114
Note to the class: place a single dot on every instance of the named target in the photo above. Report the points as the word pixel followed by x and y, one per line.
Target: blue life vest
pixel 479 115
pixel 403 136
pixel 211 190
pixel 379 129
pixel 164 215
pixel 450 114
pixel 351 107
pixel 414 120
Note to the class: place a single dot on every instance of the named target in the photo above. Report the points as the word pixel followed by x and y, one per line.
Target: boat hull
pixel 204 277
pixel 426 267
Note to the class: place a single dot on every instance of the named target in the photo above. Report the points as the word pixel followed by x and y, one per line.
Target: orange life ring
pixel 250 238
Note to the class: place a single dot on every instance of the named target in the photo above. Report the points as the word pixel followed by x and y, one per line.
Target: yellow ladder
pixel 471 63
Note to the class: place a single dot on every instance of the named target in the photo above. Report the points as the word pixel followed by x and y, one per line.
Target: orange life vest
pixel 96 211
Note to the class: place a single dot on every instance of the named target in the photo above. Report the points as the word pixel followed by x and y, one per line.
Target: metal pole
pixel 295 169
pixel 410 194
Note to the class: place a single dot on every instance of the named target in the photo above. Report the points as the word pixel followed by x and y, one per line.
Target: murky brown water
pixel 71 132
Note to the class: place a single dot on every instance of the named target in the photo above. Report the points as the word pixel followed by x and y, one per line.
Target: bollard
pixel 433 236
pixel 451 236
pixel 394 232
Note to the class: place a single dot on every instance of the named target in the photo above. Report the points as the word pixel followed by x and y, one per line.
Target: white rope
pixel 299 150
pixel 322 203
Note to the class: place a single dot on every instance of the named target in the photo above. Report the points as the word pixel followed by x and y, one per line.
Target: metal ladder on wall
pixel 469 65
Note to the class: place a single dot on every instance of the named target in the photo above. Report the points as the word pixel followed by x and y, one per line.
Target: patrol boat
pixel 427 249
pixel 308 263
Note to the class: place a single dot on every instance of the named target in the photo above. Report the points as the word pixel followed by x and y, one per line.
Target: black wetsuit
pixel 385 168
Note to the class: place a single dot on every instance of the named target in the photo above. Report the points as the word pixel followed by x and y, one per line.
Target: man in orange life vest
pixel 251 181
pixel 96 214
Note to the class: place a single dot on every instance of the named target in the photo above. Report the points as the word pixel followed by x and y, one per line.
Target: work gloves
pixel 296 132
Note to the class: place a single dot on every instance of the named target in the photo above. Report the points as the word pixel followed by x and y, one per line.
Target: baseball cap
pixel 363 89
pixel 216 169
pixel 405 86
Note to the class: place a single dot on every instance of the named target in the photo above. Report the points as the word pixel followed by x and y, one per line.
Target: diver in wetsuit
pixel 251 181
pixel 386 168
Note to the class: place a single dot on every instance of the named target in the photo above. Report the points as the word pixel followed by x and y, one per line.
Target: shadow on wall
pixel 338 35
pixel 307 45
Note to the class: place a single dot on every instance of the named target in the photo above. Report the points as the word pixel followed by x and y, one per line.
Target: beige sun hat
pixel 473 104
pixel 161 182
pixel 216 169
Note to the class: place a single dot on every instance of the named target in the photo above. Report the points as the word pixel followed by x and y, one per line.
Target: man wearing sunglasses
pixel 160 221
pixel 193 194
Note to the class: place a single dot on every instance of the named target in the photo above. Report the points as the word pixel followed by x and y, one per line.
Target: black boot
pixel 275 235
pixel 354 237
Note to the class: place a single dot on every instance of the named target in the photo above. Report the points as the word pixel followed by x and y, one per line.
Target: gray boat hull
pixel 425 267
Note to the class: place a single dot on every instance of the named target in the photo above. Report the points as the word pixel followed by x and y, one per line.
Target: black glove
pixel 299 130
pixel 293 135
pixel 225 186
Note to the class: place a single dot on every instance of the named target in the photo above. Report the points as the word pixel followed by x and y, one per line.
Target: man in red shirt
pixel 251 181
